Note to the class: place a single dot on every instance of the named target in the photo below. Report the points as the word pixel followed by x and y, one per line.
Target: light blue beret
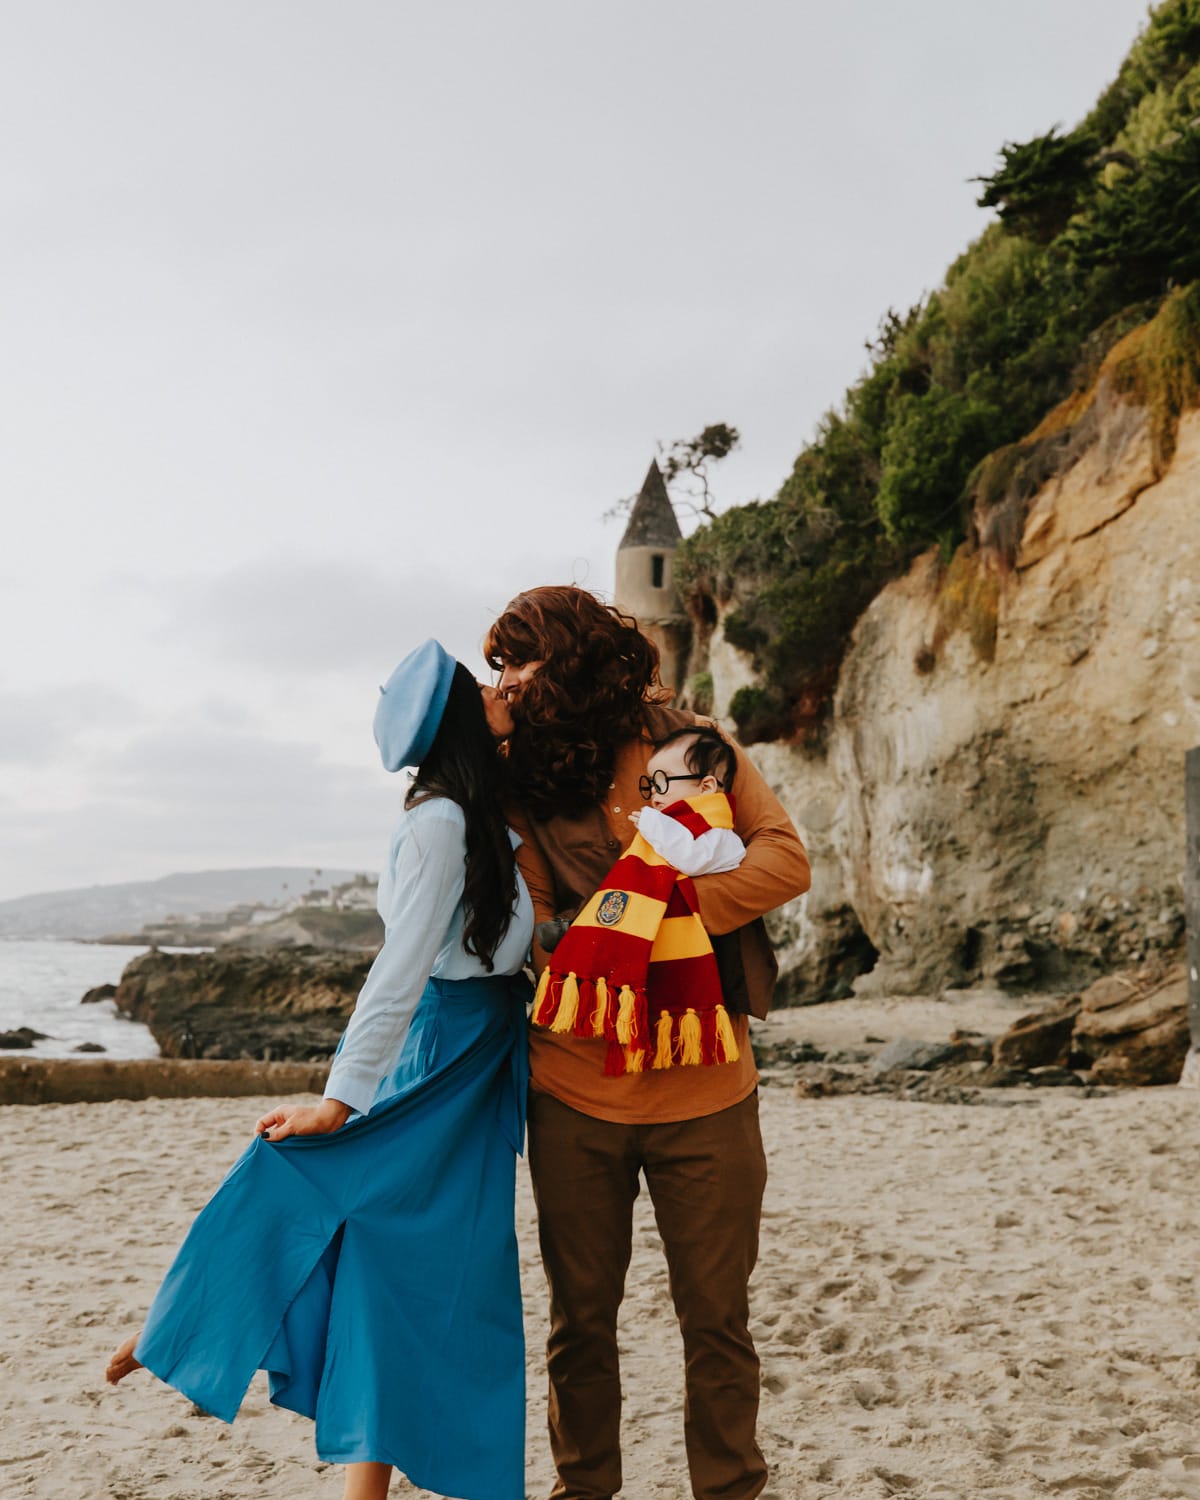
pixel 411 704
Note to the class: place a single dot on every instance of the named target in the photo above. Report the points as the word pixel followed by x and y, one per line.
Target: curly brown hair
pixel 587 699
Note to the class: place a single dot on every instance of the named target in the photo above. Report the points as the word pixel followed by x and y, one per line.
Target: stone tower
pixel 646 575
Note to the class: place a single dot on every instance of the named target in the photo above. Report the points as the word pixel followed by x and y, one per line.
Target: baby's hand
pixel 635 815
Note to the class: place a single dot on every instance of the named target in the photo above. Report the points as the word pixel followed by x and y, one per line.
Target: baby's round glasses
pixel 660 782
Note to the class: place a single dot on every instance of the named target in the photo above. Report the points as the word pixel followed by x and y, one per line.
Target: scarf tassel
pixel 567 1013
pixel 587 1008
pixel 600 1009
pixel 728 1050
pixel 691 1040
pixel 662 1042
pixel 585 1013
pixel 627 1016
pixel 543 1000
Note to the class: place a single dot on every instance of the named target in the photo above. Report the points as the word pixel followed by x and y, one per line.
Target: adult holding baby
pixel 363 1249
pixel 588 714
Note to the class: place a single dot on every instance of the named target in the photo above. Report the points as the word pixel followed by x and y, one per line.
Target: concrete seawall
pixel 55 1080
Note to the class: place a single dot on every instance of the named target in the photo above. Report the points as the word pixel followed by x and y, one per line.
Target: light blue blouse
pixel 420 901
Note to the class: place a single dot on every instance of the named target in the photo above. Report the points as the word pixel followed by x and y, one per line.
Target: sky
pixel 326 328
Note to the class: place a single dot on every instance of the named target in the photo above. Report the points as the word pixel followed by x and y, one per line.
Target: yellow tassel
pixel 692 1038
pixel 729 1046
pixel 568 1006
pixel 662 1051
pixel 539 998
pixel 625 1016
pixel 635 1061
pixel 600 1014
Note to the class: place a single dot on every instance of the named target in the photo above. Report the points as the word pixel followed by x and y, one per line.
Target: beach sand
pixel 951 1301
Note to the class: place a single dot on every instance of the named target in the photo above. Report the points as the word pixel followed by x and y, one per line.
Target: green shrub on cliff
pixel 1095 228
pixel 1158 366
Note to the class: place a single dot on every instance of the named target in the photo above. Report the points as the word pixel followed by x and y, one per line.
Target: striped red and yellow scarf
pixel 636 965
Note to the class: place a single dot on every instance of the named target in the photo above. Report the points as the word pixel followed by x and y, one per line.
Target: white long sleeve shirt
pixel 712 853
pixel 420 901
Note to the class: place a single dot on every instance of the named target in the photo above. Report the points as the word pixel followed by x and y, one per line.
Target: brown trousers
pixel 706 1180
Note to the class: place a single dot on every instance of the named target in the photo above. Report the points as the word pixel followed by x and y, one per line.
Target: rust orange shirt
pixel 563 861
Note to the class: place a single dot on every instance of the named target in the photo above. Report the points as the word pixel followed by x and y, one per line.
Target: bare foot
pixel 122 1363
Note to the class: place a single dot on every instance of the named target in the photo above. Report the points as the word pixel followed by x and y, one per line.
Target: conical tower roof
pixel 652 522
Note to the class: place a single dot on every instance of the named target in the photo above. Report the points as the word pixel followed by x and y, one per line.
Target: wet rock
pixel 848 1056
pixel 823 1081
pixel 282 1004
pixel 23 1036
pixel 100 992
pixel 971 1046
pixel 905 1053
pixel 1042 1039
pixel 784 1054
pixel 1055 1077
pixel 89 1047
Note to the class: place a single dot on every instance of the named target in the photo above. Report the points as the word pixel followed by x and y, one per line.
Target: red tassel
pixel 614 1060
pixel 708 1036
pixel 587 1002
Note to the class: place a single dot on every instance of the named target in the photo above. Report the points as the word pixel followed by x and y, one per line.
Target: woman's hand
pixel 304 1119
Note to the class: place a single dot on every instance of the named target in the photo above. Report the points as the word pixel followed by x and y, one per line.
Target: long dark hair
pixel 587 699
pixel 464 765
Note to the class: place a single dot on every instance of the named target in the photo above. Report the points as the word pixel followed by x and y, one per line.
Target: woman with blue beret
pixel 362 1250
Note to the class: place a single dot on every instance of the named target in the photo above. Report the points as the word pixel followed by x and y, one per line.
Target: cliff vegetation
pixel 1088 277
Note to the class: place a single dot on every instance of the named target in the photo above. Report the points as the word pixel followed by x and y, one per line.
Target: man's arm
pixel 775 868
pixel 539 880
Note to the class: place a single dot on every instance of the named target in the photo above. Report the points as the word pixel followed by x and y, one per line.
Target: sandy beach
pixel 951 1301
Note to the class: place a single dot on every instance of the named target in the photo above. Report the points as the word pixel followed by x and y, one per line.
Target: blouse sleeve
pixel 428 877
pixel 712 853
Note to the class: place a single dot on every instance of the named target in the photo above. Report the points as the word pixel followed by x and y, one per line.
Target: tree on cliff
pixel 685 470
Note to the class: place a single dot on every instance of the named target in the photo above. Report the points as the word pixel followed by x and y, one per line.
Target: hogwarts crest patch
pixel 612 908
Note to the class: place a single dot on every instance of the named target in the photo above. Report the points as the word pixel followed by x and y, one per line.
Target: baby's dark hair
pixel 711 754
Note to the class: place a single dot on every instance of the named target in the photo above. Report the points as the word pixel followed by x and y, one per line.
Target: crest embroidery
pixel 612 908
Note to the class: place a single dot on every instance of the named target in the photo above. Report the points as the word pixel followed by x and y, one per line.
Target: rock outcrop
pixel 274 1005
pixel 999 793
pixel 1133 1028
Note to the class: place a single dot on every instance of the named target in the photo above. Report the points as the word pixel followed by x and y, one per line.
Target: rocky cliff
pixel 998 791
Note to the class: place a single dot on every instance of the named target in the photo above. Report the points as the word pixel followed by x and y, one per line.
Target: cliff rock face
pixel 1000 791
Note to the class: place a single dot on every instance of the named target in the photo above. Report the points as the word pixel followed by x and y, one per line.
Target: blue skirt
pixel 373 1272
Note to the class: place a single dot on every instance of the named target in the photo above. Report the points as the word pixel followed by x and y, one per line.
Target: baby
pixel 698 759
pixel 700 755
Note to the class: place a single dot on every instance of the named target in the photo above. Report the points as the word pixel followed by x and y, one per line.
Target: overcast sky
pixel 328 327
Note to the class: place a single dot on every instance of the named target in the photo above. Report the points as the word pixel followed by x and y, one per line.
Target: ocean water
pixel 40 986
